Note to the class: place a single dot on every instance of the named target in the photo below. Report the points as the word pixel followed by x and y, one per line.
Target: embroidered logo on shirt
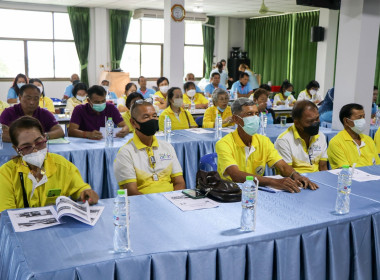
pixel 166 156
pixel 260 170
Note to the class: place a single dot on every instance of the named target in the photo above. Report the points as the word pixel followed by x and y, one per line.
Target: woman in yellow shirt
pixel 131 99
pixel 129 88
pixel 200 101
pixel 181 118
pixel 220 99
pixel 45 102
pixel 160 97
pixel 79 97
pixel 285 93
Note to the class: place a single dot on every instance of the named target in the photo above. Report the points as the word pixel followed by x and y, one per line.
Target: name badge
pixel 155 177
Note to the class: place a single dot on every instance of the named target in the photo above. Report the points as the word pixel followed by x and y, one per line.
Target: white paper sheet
pixel 359 176
pixel 186 203
pixel 228 129
pixel 115 131
pixel 200 130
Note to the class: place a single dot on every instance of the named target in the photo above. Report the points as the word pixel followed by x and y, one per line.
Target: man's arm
pixel 178 183
pixel 322 165
pixel 56 132
pixel 124 131
pixel 131 188
pixel 288 171
pixel 74 131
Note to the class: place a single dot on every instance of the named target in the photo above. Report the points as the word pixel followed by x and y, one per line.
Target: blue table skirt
pixel 297 237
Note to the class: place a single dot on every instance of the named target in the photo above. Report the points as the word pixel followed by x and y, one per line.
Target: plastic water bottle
pixel 192 107
pixel 218 126
pixel 121 233
pixel 210 103
pixel 342 205
pixel 167 128
pixel 109 132
pixel 1 136
pixel 248 204
pixel 263 123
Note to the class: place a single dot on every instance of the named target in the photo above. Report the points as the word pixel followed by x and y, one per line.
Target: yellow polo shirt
pixel 132 164
pixel 178 122
pixel 377 140
pixel 344 150
pixel 210 116
pixel 3 105
pixel 127 117
pixel 72 102
pixel 47 103
pixel 159 94
pixel 280 98
pixel 61 174
pixel 231 151
pixel 121 102
pixel 198 99
pixel 293 150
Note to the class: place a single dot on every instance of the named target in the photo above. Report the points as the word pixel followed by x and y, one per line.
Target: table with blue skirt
pixel 298 236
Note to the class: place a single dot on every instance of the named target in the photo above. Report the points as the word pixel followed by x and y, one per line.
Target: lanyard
pixel 152 162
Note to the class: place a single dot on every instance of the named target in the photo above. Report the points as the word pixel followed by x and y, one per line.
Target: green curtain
pixel 303 52
pixel 119 25
pixel 80 25
pixel 268 44
pixel 208 33
pixel 377 72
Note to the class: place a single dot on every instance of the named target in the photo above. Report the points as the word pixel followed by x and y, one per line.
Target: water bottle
pixel 210 104
pixel 167 128
pixel 109 132
pixel 121 233
pixel 248 204
pixel 218 126
pixel 1 136
pixel 192 107
pixel 263 123
pixel 342 205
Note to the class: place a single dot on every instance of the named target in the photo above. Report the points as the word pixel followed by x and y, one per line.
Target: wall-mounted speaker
pixel 317 34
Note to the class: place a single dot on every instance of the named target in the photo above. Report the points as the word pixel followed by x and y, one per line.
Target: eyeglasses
pixel 142 101
pixel 30 148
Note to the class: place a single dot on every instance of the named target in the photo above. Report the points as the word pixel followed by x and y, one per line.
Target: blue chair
pixel 209 161
pixel 199 121
pixel 55 99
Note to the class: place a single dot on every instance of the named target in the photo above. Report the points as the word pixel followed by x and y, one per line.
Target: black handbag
pixel 212 186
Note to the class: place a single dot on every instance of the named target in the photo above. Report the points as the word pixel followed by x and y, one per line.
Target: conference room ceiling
pixel 241 9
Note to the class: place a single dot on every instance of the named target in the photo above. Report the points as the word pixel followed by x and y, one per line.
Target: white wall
pixel 236 33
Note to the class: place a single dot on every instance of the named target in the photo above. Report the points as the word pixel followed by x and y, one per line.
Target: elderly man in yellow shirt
pixel 302 145
pixel 35 177
pixel 350 145
pixel 245 153
pixel 220 98
pixel 199 100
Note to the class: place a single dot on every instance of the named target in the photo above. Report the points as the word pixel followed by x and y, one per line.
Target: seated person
pixel 129 88
pixel 3 105
pixel 45 102
pixel 260 97
pixel 79 97
pixel 214 84
pixel 374 102
pixel 285 93
pixel 311 93
pixel 131 99
pixel 245 153
pixel 41 172
pixel 28 106
pixel 191 78
pixel 14 90
pixel 326 109
pixel 199 100
pixel 143 90
pixel 350 145
pixel 87 119
pixel 242 88
pixel 111 96
pixel 181 118
pixel 139 165
pixel 269 90
pixel 220 99
pixel 302 145
pixel 161 95
pixel 74 79
pixel 220 68
pixel 252 76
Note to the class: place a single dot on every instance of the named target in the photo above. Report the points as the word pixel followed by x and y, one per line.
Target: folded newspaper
pixel 28 219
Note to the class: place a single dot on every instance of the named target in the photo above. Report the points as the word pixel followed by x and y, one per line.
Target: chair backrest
pixel 208 161
pixel 199 121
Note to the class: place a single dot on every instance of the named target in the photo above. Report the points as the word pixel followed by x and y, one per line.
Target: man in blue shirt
pixel 242 88
pixel 215 83
pixel 191 78
pixel 111 96
pixel 69 89
pixel 143 90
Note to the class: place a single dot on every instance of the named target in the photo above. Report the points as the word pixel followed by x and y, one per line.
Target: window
pixel 39 44
pixel 143 52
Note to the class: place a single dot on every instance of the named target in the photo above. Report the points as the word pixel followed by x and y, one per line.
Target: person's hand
pixel 161 100
pixel 305 182
pixel 286 184
pixel 280 103
pixel 97 135
pixel 89 195
pixel 122 133
pixel 227 120
pixel 262 107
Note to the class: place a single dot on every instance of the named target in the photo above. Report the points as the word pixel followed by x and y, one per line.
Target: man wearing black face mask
pixel 302 145
pixel 145 164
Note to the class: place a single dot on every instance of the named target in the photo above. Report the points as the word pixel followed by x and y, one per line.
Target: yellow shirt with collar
pixel 121 102
pixel 280 98
pixel 198 99
pixel 47 103
pixel 181 123
pixel 231 151
pixel 72 102
pixel 294 151
pixel 127 119
pixel 132 164
pixel 159 94
pixel 210 116
pixel 61 174
pixel 3 105
pixel 344 150
pixel 377 140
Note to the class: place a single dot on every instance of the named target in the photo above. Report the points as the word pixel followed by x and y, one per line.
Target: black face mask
pixel 312 129
pixel 148 128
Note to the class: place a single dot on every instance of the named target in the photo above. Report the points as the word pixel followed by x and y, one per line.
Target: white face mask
pixel 81 98
pixel 191 93
pixel 359 126
pixel 41 89
pixel 164 89
pixel 19 85
pixel 178 102
pixel 106 88
pixel 313 92
pixel 37 158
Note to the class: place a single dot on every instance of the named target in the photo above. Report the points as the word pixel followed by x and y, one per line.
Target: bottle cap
pixel 110 118
pixel 121 192
pixel 346 166
pixel 219 115
pixel 249 178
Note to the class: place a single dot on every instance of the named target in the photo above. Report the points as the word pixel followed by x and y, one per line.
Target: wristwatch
pixel 47 136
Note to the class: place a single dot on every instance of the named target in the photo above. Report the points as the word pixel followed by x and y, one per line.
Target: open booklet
pixel 28 219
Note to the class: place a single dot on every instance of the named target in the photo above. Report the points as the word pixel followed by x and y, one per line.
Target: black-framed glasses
pixel 30 148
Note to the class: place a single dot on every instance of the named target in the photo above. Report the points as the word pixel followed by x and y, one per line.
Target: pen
pixel 265 189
